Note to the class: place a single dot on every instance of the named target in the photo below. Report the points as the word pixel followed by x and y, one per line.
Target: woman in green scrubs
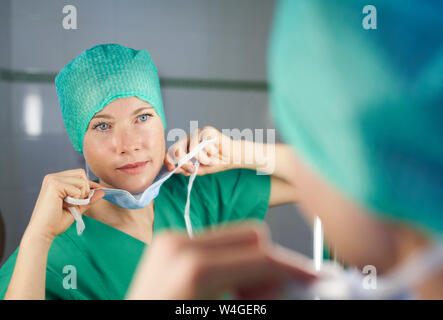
pixel 362 108
pixel 112 109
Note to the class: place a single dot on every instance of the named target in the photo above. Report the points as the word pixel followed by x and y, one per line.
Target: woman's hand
pixel 214 157
pixel 51 215
pixel 238 259
pixel 50 218
pixel 226 153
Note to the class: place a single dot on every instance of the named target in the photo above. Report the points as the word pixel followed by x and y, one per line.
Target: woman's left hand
pixel 214 157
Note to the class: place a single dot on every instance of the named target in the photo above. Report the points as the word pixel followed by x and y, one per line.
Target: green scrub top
pixel 105 258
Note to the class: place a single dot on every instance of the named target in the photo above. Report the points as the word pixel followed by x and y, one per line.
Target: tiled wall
pixel 197 39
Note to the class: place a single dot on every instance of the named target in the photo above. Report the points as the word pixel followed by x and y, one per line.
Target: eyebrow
pixel 106 116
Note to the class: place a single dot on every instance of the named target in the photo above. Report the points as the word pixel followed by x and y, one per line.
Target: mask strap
pixel 188 199
pixel 190 156
pixel 87 170
pixel 186 158
pixel 78 218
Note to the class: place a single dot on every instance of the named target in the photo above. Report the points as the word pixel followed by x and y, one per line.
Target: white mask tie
pixel 127 200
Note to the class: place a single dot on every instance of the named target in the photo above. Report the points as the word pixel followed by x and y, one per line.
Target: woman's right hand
pixel 240 259
pixel 51 215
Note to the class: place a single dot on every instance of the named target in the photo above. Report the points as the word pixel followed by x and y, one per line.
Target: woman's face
pixel 126 131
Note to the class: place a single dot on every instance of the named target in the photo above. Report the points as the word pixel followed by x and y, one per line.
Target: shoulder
pixel 219 197
pixel 224 183
pixel 228 177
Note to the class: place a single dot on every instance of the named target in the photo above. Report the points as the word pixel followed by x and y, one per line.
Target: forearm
pixel 29 276
pixel 269 158
pixel 282 192
pixel 358 239
pixel 372 240
pixel 272 159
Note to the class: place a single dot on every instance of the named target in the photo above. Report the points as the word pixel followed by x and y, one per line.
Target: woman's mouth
pixel 134 168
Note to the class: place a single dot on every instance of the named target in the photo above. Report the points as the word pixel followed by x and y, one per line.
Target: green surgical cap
pixel 364 107
pixel 100 75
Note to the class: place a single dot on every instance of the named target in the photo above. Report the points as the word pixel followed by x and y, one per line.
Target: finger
pixel 180 171
pixel 72 172
pixel 71 190
pixel 203 158
pixel 194 140
pixel 235 268
pixel 79 173
pixel 169 161
pixel 78 182
pixel 94 185
pixel 188 167
pixel 294 264
pixel 233 235
pixel 209 133
pixel 183 172
pixel 211 150
pixel 244 271
pixel 171 154
pixel 179 152
pixel 264 290
pixel 98 194
pixel 220 151
pixel 176 150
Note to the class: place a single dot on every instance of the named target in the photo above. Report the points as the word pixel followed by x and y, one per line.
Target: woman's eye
pixel 102 126
pixel 144 117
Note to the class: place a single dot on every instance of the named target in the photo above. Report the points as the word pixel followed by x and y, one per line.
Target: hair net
pixel 100 75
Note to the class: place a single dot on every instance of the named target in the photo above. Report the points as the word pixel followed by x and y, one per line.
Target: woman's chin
pixel 136 185
pixel 133 183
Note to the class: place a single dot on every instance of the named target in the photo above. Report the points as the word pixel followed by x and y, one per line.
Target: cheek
pixel 156 145
pixel 93 141
pixel 155 139
pixel 93 151
pixel 92 147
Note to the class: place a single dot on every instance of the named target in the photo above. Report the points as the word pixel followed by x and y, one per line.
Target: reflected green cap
pixel 364 107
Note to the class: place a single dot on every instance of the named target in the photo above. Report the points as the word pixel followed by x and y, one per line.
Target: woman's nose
pixel 127 140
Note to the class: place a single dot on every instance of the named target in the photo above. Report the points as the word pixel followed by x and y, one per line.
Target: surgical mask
pixel 127 200
pixel 336 283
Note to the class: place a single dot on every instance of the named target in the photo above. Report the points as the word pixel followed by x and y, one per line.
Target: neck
pixel 115 216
